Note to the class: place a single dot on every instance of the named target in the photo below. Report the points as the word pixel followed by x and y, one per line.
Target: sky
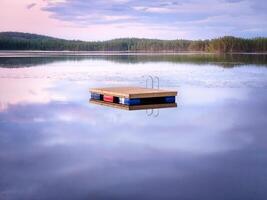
pixel 163 19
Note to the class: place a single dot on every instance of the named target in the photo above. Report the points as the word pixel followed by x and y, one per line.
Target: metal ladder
pixel 150 112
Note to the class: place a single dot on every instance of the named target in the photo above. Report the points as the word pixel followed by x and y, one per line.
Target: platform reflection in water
pixel 134 107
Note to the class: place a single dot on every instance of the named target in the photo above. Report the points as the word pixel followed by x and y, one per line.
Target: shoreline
pixel 37 53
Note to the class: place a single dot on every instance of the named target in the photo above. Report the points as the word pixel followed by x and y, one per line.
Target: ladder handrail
pixel 157 113
pixel 150 112
pixel 153 79
pixel 157 78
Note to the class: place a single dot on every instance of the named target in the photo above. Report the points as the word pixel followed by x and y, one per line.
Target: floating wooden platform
pixel 133 98
pixel 134 107
pixel 133 92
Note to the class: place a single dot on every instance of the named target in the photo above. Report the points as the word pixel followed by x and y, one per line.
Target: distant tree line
pixel 227 44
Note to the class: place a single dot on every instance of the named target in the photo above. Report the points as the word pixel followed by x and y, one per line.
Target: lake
pixel 54 144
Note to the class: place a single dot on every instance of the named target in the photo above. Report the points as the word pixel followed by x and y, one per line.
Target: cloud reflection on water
pixel 98 152
pixel 55 145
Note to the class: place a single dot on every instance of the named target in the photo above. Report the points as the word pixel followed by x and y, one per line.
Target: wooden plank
pixel 133 92
pixel 136 107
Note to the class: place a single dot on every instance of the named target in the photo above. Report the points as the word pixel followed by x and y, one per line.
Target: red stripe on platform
pixel 108 98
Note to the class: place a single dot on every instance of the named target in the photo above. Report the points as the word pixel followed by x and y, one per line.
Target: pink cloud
pixel 29 6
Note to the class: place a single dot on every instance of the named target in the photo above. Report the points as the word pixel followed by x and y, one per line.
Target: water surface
pixel 54 144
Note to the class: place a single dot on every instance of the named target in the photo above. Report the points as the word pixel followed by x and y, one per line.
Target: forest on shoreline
pixel 226 44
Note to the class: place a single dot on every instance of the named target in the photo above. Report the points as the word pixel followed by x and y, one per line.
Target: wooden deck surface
pixel 136 107
pixel 133 92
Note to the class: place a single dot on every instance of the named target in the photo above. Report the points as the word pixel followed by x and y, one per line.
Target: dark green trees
pixel 227 44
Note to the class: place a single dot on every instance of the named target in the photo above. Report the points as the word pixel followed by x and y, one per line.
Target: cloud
pixel 154 9
pixel 30 6
pixel 195 18
pixel 163 19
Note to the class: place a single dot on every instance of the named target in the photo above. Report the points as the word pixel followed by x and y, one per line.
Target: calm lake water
pixel 54 144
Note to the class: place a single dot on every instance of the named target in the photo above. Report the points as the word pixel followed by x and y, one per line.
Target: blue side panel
pixel 95 96
pixel 169 99
pixel 129 102
pixel 134 102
